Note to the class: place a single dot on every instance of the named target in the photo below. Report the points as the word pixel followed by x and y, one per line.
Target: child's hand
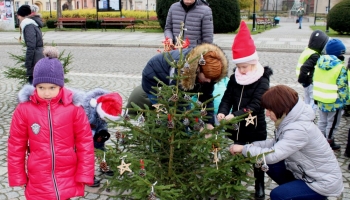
pixel 220 116
pixel 236 149
pixel 230 116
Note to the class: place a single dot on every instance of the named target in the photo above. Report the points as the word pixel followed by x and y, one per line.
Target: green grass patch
pixel 258 30
pixel 331 32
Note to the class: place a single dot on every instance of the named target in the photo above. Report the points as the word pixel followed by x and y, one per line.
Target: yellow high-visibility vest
pixel 325 84
pixel 303 57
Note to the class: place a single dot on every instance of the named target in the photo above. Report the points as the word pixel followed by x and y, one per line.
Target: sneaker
pixel 333 145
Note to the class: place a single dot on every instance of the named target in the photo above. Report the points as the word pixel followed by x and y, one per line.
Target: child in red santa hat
pixel 244 90
pixel 100 106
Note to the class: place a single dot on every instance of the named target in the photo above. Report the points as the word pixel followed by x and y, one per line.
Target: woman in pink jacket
pixel 50 148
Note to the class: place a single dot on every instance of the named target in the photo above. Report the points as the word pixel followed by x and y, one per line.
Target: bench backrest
pixel 119 19
pixel 63 19
pixel 262 19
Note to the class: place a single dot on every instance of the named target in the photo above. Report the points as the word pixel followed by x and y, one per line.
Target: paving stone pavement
pixel 118 68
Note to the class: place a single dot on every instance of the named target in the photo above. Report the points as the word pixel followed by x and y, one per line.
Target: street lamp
pixel 315 13
pixel 254 17
pixel 147 10
pixel 329 8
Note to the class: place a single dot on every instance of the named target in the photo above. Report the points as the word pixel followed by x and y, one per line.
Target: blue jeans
pixel 289 187
pixel 300 21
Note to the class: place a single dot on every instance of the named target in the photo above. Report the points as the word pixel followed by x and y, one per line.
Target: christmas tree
pixel 168 153
pixel 19 70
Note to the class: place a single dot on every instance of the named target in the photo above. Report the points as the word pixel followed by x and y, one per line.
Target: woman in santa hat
pixel 247 84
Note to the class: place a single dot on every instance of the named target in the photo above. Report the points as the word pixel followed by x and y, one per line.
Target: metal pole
pixel 254 17
pixel 329 8
pixel 147 10
pixel 276 9
pixel 50 9
pixel 315 12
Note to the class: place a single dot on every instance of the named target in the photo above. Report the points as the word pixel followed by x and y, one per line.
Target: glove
pixel 102 136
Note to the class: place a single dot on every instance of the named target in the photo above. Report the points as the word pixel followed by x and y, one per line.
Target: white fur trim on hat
pixel 93 102
pixel 254 56
pixel 104 115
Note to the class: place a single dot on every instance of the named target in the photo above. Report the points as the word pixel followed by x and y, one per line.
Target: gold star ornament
pixel 124 167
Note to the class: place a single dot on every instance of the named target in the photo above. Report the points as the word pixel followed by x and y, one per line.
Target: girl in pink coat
pixel 50 148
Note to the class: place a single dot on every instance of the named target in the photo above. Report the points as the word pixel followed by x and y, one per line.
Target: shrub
pixel 338 17
pixel 162 10
pixel 226 14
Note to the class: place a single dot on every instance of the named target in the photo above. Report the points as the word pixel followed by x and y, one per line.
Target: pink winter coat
pixel 57 135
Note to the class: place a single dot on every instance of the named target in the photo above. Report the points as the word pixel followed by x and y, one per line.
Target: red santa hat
pixel 243 48
pixel 108 106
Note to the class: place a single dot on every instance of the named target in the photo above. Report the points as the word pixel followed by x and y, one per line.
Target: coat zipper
pixel 52 152
pixel 239 104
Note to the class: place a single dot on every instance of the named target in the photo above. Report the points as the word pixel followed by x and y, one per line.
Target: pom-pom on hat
pixel 24 10
pixel 243 48
pixel 335 47
pixel 49 69
pixel 108 106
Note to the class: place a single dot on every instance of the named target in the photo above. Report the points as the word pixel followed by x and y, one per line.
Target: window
pixel 85 3
pixel 16 5
pixel 48 6
pixel 77 4
pixel 54 5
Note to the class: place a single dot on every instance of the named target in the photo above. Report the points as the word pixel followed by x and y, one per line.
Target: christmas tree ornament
pixel 250 119
pixel 140 119
pixel 258 162
pixel 201 60
pixel 158 121
pixel 123 166
pixel 142 171
pixel 126 116
pixel 235 127
pixel 178 43
pixel 216 159
pixel 187 97
pixel 167 46
pixel 203 111
pixel 108 189
pixel 152 195
pixel 170 122
pixel 264 167
pixel 174 98
pixel 200 124
pixel 103 165
pixel 186 122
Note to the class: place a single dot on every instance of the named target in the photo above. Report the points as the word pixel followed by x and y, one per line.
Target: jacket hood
pixel 27 93
pixel 93 94
pixel 301 112
pixel 267 72
pixel 193 58
pixel 318 41
pixel 38 20
pixel 327 62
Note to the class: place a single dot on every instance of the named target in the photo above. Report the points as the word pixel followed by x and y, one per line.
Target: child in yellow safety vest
pixel 330 89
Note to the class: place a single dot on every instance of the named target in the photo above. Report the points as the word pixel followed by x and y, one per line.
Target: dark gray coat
pixel 198 21
pixel 33 39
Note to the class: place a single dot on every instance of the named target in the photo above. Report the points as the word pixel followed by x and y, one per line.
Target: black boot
pixel 96 183
pixel 259 183
pixel 333 145
pixel 347 150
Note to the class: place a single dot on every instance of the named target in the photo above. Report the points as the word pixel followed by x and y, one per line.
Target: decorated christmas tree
pixel 168 153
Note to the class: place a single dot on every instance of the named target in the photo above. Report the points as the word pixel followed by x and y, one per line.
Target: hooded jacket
pixel 158 67
pixel 238 98
pixel 317 42
pixel 33 39
pixel 299 142
pixel 198 22
pixel 50 148
pixel 328 62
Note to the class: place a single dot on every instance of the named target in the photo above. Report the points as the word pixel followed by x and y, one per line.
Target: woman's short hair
pixel 280 100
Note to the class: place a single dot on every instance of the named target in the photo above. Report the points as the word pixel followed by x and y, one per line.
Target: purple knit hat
pixel 49 69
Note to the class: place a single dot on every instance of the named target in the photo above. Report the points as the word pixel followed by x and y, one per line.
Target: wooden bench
pixel 70 21
pixel 263 21
pixel 118 22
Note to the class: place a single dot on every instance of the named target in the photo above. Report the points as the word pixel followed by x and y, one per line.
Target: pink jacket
pixel 57 135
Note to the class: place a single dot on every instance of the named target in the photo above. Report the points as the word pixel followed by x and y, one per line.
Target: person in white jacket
pixel 299 158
